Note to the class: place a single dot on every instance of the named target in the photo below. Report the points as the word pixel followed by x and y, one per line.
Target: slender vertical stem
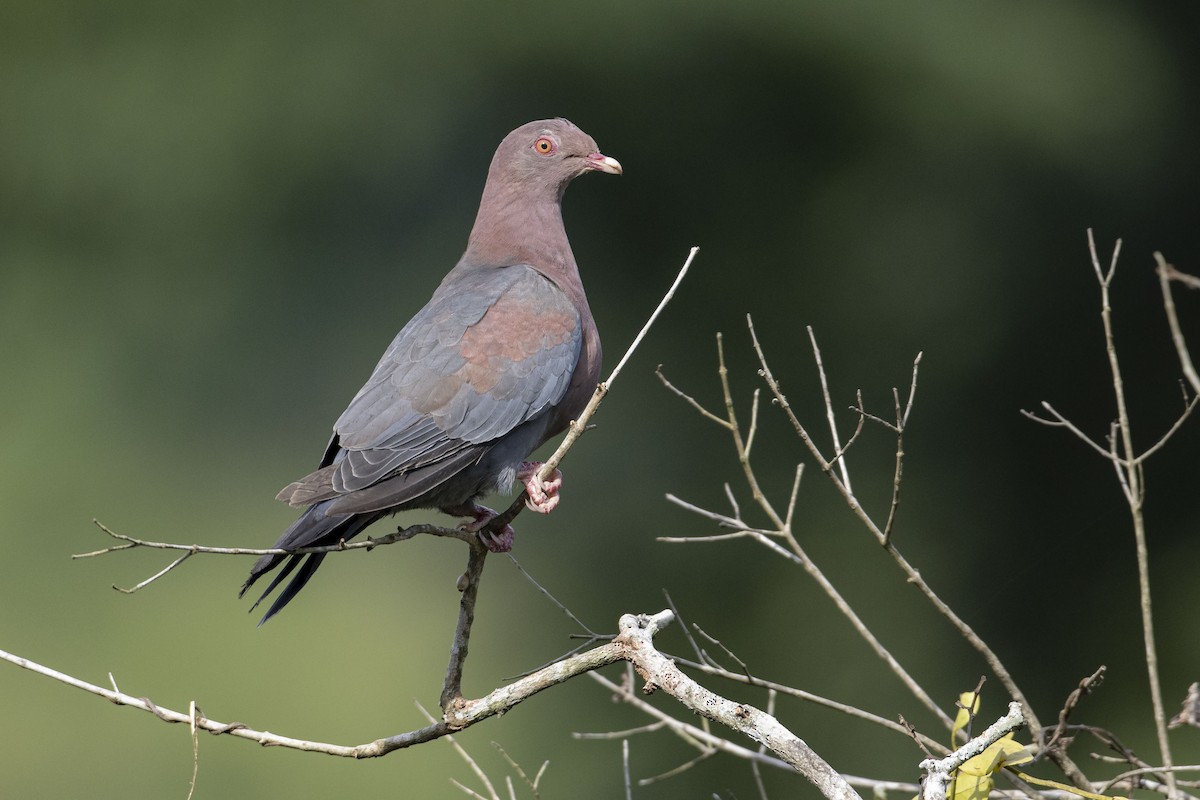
pixel 1165 275
pixel 1129 469
pixel 838 455
pixel 452 688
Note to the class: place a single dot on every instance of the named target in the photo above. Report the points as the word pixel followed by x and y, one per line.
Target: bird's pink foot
pixel 542 494
pixel 500 541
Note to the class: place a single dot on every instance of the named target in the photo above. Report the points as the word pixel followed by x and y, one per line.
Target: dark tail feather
pixel 314 528
pixel 311 562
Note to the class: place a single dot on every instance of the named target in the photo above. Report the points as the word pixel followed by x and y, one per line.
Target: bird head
pixel 548 153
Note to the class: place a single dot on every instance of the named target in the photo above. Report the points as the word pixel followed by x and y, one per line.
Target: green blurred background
pixel 213 218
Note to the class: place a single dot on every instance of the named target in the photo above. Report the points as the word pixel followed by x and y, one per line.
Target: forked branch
pixel 1129 465
pixel 634 644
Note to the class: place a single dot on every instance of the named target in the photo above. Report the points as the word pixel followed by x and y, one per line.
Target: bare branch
pixel 1166 274
pixel 858 428
pixel 661 305
pixel 739 443
pixel 911 573
pixel 465 756
pixel 621 734
pixel 633 644
pixel 840 456
pixel 733 503
pixel 705 754
pixel 1103 278
pixel 156 575
pixel 370 543
pixel 912 390
pixel 721 519
pixel 1085 687
pixel 753 423
pixel 1131 475
pixel 809 697
pixel 625 769
pixel 718 643
pixel 546 593
pixel 464 714
pixel 683 625
pixel 1154 448
pixel 837 787
pixel 469 583
pixel 687 398
pixel 791 506
pixel 1059 421
pixel 782 402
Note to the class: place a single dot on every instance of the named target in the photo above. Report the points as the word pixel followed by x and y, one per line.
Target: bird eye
pixel 544 145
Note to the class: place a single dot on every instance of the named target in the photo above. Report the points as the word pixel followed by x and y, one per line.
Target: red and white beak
pixel 602 163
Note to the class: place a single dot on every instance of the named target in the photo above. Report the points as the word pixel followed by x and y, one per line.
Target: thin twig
pixel 716 537
pixel 910 572
pixel 720 644
pixel 193 713
pixel 369 543
pixel 512 763
pixel 840 458
pixel 1085 687
pixel 1175 426
pixel 739 443
pixel 754 768
pixel 753 429
pixel 452 686
pixel 156 575
pixel 621 734
pixel 683 626
pixel 901 425
pixel 687 398
pixel 809 697
pixel 625 769
pixel 464 755
pixel 694 732
pixel 464 713
pixel 634 644
pixel 661 305
pixel 720 519
pixel 790 516
pixel 1132 474
pixel 546 593
pixel 579 426
pixel 1060 421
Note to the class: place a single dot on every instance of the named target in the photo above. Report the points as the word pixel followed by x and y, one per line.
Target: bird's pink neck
pixel 517 231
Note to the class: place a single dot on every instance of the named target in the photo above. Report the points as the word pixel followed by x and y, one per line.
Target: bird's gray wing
pixel 494 348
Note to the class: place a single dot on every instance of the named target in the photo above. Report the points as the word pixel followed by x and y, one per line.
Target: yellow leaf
pixel 974 778
pixel 971 787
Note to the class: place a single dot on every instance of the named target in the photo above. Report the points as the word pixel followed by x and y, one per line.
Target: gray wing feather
pixel 427 401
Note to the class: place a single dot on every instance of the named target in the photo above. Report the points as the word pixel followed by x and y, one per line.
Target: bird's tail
pixel 314 528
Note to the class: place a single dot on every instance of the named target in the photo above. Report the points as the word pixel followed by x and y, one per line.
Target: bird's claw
pixel 500 541
pixel 541 495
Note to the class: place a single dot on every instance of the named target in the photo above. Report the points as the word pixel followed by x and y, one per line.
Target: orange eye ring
pixel 544 146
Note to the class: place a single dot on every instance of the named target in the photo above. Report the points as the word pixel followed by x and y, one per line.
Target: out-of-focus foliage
pixel 214 216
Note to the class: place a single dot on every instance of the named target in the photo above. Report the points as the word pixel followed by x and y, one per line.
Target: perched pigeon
pixel 502 358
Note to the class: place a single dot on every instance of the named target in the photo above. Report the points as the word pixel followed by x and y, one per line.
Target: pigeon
pixel 502 358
